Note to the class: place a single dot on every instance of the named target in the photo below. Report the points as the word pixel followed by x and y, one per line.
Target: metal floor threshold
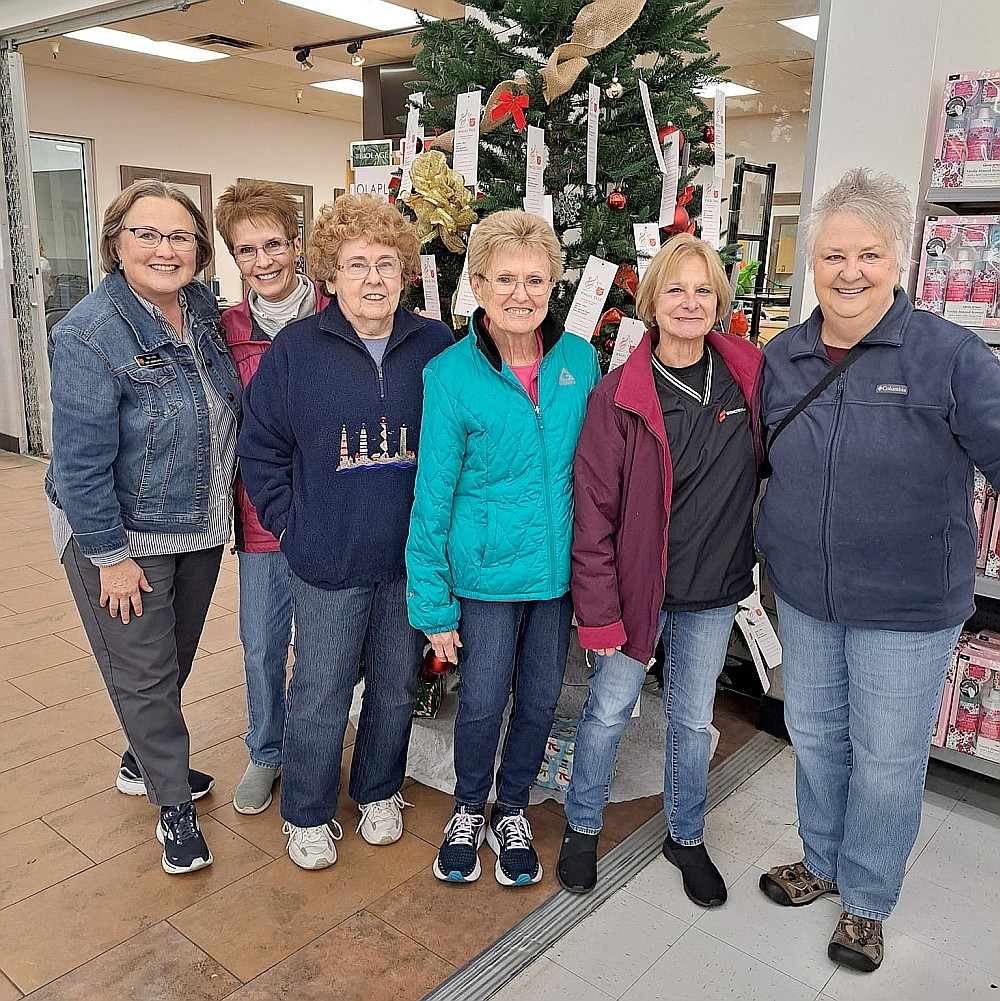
pixel 497 965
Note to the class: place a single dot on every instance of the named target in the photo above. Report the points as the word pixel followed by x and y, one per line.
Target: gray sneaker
pixel 253 794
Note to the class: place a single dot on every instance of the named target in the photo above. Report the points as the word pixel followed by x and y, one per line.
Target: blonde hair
pixel 114 219
pixel 356 217
pixel 665 265
pixel 256 202
pixel 513 231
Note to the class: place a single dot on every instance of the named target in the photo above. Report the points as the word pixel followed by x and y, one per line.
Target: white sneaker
pixel 382 821
pixel 313 847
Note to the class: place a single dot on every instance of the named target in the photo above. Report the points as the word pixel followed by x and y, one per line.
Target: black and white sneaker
pixel 458 857
pixel 184 848
pixel 131 783
pixel 509 835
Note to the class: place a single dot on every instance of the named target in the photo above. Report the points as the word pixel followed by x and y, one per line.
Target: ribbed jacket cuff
pixel 602 637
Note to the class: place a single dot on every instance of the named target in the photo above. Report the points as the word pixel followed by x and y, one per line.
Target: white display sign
pixel 671 176
pixel 593 125
pixel 647 243
pixel 756 626
pixel 534 183
pixel 591 294
pixel 429 276
pixel 969 314
pixel 465 159
pixel 711 212
pixel 647 107
pixel 719 116
pixel 545 212
pixel 371 162
pixel 630 333
pixel 410 141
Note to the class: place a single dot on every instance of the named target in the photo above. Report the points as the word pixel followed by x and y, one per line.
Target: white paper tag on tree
pixel 591 294
pixel 534 184
pixel 410 141
pixel 647 107
pixel 465 160
pixel 429 276
pixel 465 301
pixel 630 333
pixel 593 126
pixel 711 212
pixel 671 176
pixel 647 244
pixel 546 210
pixel 719 120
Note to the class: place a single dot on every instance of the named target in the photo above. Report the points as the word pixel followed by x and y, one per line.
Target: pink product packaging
pixel 972 678
pixel 944 713
pixel 959 275
pixel 968 136
pixel 992 568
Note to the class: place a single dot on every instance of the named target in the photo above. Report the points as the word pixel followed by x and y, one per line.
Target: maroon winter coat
pixel 622 486
pixel 247 351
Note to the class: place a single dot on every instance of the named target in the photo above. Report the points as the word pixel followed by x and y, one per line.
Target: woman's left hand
pixel 445 645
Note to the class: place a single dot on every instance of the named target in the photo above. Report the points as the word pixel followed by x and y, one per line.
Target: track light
pixel 354 51
pixel 303 57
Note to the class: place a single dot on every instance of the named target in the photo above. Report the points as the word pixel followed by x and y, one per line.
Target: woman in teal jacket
pixel 488 552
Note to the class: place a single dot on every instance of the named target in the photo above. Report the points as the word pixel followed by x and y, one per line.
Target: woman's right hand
pixel 122 585
pixel 445 645
pixel 607 652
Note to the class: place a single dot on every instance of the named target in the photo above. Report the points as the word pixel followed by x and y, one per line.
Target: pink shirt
pixel 527 375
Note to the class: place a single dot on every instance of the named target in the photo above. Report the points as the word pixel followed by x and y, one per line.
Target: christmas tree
pixel 511 52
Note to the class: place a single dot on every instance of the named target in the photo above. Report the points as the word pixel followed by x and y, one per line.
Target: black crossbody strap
pixel 849 359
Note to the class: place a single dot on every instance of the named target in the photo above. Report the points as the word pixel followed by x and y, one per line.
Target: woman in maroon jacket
pixel 666 474
pixel 259 222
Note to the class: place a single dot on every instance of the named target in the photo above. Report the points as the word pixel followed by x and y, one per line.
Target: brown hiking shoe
pixel 794 885
pixel 857 943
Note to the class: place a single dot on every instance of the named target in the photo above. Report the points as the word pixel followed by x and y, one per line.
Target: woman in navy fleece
pixel 328 454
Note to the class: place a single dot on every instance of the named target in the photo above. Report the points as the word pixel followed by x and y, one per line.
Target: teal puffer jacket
pixel 492 514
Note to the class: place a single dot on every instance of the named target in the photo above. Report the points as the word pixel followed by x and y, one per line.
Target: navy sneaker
pixel 458 857
pixel 131 783
pixel 184 848
pixel 509 836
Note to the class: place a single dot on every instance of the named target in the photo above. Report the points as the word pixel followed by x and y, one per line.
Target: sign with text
pixel 372 165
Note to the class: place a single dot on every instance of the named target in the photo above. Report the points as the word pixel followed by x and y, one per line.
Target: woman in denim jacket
pixel 145 403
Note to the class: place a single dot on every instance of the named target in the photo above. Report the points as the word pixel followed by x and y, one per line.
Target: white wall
pixel 149 127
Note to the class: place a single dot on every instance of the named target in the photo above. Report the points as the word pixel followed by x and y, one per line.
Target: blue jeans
pixel 334 632
pixel 517 646
pixel 695 646
pixel 860 706
pixel 265 632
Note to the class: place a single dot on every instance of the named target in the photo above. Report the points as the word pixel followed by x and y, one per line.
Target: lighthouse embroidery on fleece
pixel 383 457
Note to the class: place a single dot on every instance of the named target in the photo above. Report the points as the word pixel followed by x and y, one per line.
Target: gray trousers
pixel 146 662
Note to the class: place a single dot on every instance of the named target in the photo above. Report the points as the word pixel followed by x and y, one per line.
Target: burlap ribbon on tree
pixel 596 26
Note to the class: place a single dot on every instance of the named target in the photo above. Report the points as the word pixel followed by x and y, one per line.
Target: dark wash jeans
pixel 507 646
pixel 334 630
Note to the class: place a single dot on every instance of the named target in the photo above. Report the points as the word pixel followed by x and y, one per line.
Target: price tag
pixel 668 192
pixel 760 625
pixel 410 141
pixel 719 116
pixel 591 294
pixel 534 185
pixel 969 314
pixel 429 275
pixel 647 243
pixel 630 333
pixel 465 159
pixel 593 122
pixel 651 125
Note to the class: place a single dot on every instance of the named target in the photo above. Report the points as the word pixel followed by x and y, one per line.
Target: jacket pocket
pixel 157 390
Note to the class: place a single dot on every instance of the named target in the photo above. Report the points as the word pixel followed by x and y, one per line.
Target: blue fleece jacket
pixel 328 448
pixel 867 519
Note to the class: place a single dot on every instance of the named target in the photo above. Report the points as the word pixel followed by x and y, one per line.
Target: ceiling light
pixel 808 26
pixel 354 51
pixel 147 46
pixel 353 87
pixel 302 56
pixel 375 14
pixel 708 89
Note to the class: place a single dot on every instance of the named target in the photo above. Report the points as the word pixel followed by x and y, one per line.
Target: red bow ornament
pixel 508 104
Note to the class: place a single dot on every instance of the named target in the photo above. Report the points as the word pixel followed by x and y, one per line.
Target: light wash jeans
pixel 860 706
pixel 265 632
pixel 507 646
pixel 334 632
pixel 695 646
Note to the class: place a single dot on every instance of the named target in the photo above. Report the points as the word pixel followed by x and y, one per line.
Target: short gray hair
pixel 880 200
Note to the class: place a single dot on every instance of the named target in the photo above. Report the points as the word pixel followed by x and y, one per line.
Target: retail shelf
pixel 989 587
pixel 982 766
pixel 988 334
pixel 985 198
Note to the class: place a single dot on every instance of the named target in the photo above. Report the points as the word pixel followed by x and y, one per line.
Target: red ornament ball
pixel 708 135
pixel 431 666
pixel 668 130
pixel 617 201
pixel 609 345
pixel 681 222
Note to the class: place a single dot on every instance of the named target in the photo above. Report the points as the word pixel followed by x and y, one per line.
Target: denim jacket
pixel 130 429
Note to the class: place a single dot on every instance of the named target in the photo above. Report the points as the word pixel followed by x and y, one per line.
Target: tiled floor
pixel 648 942
pixel 85 909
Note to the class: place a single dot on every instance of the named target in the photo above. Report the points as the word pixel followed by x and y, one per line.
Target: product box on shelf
pixel 968 138
pixel 959 275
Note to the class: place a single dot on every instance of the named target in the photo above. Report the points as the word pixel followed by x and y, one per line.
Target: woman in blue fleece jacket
pixel 328 455
pixel 868 532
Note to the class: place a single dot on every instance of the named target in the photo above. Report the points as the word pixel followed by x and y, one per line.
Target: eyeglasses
pixel 273 248
pixel 504 285
pixel 151 238
pixel 388 267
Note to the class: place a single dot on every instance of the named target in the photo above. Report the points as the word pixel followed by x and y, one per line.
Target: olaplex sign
pixel 372 165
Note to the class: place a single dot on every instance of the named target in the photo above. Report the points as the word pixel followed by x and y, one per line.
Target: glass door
pixel 62 210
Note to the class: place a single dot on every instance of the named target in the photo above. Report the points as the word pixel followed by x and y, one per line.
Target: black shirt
pixel 710 554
